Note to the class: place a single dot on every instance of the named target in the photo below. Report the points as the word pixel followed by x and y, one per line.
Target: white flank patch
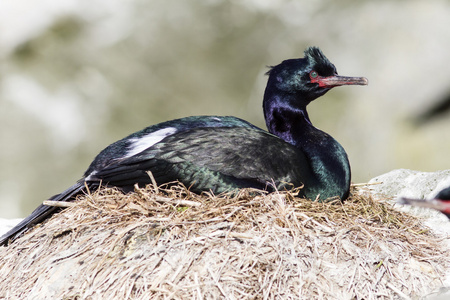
pixel 89 177
pixel 140 144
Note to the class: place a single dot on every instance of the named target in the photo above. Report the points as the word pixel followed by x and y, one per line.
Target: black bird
pixel 219 154
pixel 441 202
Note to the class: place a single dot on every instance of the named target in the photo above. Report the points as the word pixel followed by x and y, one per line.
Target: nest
pixel 172 244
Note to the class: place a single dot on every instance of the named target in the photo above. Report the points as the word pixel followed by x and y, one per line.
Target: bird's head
pixel 307 78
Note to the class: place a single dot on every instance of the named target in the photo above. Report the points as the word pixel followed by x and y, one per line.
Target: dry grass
pixel 172 244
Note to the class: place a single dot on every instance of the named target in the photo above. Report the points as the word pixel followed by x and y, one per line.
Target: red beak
pixel 336 80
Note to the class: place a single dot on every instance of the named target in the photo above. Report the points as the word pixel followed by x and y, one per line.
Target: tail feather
pixel 42 212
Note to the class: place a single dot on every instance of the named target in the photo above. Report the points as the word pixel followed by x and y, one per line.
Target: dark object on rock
pixel 441 202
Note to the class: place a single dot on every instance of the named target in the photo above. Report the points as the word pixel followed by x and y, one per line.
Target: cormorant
pixel 441 202
pixel 219 154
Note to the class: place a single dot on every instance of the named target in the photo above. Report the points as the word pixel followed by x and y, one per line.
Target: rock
pixel 415 184
pixel 410 183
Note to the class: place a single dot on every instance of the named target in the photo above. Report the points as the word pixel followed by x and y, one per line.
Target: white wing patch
pixel 140 144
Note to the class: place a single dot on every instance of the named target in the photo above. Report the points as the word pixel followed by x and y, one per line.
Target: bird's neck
pixel 327 157
pixel 290 124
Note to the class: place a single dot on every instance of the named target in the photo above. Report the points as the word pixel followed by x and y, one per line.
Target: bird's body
pixel 220 154
pixel 200 152
pixel 441 202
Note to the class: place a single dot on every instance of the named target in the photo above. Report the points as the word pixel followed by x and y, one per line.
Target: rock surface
pixel 410 183
pixel 415 184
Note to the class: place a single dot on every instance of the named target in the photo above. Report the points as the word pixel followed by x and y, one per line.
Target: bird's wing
pixel 143 139
pixel 216 159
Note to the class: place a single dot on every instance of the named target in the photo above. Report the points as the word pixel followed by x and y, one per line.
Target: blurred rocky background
pixel 76 76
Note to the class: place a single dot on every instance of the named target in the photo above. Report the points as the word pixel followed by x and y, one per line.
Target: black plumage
pixel 220 154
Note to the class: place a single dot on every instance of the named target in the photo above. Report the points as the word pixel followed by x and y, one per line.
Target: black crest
pixel 319 61
pixel 314 58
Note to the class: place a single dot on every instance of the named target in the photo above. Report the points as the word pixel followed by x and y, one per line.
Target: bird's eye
pixel 313 74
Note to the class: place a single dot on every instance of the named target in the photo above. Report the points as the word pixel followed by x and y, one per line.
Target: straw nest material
pixel 172 244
